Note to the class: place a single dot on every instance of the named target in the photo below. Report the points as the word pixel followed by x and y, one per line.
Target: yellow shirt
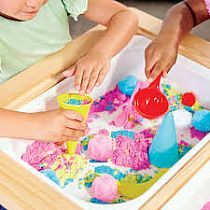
pixel 23 43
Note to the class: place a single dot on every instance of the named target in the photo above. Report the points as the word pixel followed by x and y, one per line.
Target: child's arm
pixel 121 24
pixel 161 54
pixel 56 125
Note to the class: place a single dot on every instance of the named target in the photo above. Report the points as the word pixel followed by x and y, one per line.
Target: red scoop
pixel 150 102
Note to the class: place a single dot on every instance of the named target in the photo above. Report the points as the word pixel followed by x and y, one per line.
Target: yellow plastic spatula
pixel 133 190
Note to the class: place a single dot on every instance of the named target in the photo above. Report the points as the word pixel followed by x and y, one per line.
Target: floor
pixel 157 8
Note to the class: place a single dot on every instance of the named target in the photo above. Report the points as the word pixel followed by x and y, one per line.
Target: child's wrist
pixel 169 40
pixel 102 51
pixel 25 126
pixel 171 37
pixel 16 124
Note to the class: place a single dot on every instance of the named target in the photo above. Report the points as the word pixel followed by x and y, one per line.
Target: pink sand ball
pixel 100 148
pixel 206 206
pixel 104 188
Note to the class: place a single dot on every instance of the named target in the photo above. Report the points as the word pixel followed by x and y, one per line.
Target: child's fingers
pixel 71 134
pixel 70 138
pixel 85 79
pixel 148 69
pixel 102 75
pixel 93 79
pixel 73 124
pixel 160 67
pixel 64 138
pixel 78 78
pixel 73 115
pixel 70 71
pixel 149 63
pixel 165 73
pixel 156 70
pixel 76 134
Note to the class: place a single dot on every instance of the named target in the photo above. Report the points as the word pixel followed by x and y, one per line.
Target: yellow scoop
pixel 133 190
pixel 82 109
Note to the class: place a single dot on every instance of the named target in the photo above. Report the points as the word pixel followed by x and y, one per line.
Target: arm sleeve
pixel 74 8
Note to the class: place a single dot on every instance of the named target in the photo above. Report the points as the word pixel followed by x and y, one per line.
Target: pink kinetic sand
pixel 206 206
pixel 100 148
pixel 39 151
pixel 131 153
pixel 104 188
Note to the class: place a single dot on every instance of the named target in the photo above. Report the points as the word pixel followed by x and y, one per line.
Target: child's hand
pixel 89 71
pixel 57 125
pixel 160 56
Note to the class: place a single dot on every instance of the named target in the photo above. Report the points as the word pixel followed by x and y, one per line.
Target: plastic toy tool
pixel 82 108
pixel 133 190
pixel 150 102
pixel 122 118
pixel 163 152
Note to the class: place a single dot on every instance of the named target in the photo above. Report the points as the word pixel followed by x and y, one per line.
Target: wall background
pixel 156 8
